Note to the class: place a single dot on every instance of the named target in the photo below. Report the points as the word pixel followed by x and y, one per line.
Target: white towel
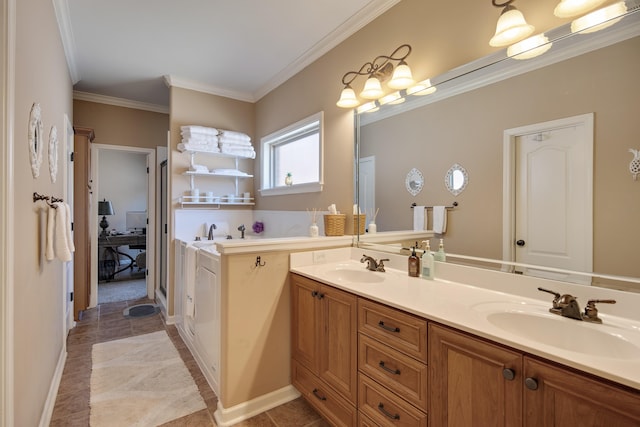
pixel 60 234
pixel 198 168
pixel 248 153
pixel 51 225
pixel 190 147
pixel 193 129
pixel 439 219
pixel 190 280
pixel 234 135
pixel 69 234
pixel 227 140
pixel 419 218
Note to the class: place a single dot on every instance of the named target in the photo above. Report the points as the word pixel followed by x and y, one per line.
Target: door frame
pixel 151 216
pixel 509 177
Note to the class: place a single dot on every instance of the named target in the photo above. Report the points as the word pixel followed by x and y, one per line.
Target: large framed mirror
pixel 580 74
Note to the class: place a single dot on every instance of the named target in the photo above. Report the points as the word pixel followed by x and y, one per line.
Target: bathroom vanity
pixel 375 349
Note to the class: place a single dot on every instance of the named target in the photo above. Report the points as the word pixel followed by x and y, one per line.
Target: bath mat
pixel 141 310
pixel 140 381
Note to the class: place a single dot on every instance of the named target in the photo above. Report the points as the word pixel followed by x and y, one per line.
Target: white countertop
pixel 465 307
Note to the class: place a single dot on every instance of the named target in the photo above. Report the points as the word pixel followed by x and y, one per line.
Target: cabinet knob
pixel 508 374
pixel 531 383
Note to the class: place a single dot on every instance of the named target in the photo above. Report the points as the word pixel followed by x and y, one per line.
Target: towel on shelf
pixel 70 245
pixel 51 225
pixel 419 218
pixel 207 140
pixel 190 280
pixel 60 245
pixel 439 219
pixel 198 168
pixel 240 142
pixel 198 130
pixel 210 148
pixel 234 135
pixel 239 152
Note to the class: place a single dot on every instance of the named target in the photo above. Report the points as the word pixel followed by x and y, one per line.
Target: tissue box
pixel 358 228
pixel 334 224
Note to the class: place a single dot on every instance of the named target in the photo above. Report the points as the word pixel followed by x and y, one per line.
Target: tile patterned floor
pixel 106 322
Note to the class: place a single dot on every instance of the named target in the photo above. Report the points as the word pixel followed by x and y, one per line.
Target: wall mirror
pixel 53 153
pixel 580 74
pixel 456 179
pixel 414 182
pixel 36 139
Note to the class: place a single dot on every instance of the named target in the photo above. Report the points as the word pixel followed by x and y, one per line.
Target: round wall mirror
pixel 35 139
pixel 414 181
pixel 456 179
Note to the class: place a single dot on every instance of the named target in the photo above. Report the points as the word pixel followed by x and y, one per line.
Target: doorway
pixel 367 186
pixel 124 250
pixel 548 197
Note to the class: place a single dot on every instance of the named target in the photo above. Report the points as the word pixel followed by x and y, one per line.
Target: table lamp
pixel 105 208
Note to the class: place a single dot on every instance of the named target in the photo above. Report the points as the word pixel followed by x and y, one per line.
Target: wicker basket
pixel 334 224
pixel 360 227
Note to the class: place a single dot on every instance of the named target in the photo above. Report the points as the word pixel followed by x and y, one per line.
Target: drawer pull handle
pixel 387 413
pixel 388 328
pixel 317 294
pixel 392 371
pixel 315 393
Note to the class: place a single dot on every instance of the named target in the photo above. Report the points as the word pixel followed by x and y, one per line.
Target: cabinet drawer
pixel 384 408
pixel 364 421
pixel 323 398
pixel 398 372
pixel 401 331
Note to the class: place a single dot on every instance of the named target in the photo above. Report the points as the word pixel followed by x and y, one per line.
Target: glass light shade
pixel 529 48
pixel 599 19
pixel 392 98
pixel 423 88
pixel 372 89
pixel 347 98
pixel 401 78
pixel 571 8
pixel 511 28
pixel 368 107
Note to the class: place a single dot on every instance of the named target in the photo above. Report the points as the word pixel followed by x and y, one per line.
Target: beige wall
pixel 115 125
pixel 468 129
pixel 41 76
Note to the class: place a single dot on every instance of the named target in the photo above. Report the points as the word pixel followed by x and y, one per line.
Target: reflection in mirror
pixel 468 116
pixel 35 139
pixel 456 179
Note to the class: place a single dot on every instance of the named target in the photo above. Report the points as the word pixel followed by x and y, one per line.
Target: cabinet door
pixel 564 398
pixel 304 318
pixel 338 345
pixel 469 385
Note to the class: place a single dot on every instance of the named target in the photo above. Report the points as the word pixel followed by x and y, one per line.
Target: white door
pixel 367 186
pixel 552 204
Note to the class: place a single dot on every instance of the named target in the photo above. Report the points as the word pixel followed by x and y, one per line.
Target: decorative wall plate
pixel 36 139
pixel 53 153
pixel 414 181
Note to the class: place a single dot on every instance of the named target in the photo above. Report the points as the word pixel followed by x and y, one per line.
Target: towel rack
pixel 49 199
pixel 453 205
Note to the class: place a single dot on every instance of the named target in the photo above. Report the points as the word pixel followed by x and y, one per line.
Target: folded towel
pixel 199 168
pixel 60 234
pixel 240 142
pixel 419 218
pixel 193 129
pixel 51 225
pixel 190 280
pixel 234 135
pixel 200 140
pixel 70 245
pixel 190 147
pixel 439 219
pixel 232 172
pixel 248 153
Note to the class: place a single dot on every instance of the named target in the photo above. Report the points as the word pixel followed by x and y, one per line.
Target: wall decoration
pixel 53 153
pixel 414 181
pixel 35 139
pixel 634 166
pixel 456 179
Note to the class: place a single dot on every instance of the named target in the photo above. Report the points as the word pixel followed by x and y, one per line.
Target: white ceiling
pixel 236 48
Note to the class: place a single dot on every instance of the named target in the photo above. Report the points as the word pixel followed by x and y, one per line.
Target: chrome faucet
pixel 372 264
pixel 241 229
pixel 211 228
pixel 567 305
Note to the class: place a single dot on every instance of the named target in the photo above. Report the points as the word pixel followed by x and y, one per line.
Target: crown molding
pixel 175 81
pixel 61 8
pixel 120 102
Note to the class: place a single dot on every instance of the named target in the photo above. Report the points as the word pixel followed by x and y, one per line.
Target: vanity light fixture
pixel 599 19
pixel 378 71
pixel 511 26
pixel 422 88
pixel 571 8
pixel 530 47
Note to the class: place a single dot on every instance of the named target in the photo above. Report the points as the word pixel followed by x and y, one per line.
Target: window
pixel 294 152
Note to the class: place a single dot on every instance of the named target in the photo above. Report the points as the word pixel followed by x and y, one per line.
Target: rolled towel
pixel 439 219
pixel 51 225
pixel 419 218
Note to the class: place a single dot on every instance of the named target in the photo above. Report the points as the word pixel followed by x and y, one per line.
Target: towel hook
pixel 259 262
pixel 49 200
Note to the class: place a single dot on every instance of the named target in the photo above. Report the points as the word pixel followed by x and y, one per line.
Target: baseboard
pixel 47 412
pixel 227 417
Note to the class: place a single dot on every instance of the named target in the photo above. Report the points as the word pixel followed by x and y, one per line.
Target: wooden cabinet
pixel 324 342
pixel 476 382
pixel 82 208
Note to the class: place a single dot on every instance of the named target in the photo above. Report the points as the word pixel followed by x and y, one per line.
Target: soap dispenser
pixel 440 255
pixel 414 263
pixel 427 262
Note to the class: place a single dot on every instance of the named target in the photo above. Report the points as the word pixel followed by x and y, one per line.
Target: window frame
pixel 267 160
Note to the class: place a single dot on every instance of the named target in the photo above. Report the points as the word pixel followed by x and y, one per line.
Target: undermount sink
pixel 568 334
pixel 202 243
pixel 353 275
